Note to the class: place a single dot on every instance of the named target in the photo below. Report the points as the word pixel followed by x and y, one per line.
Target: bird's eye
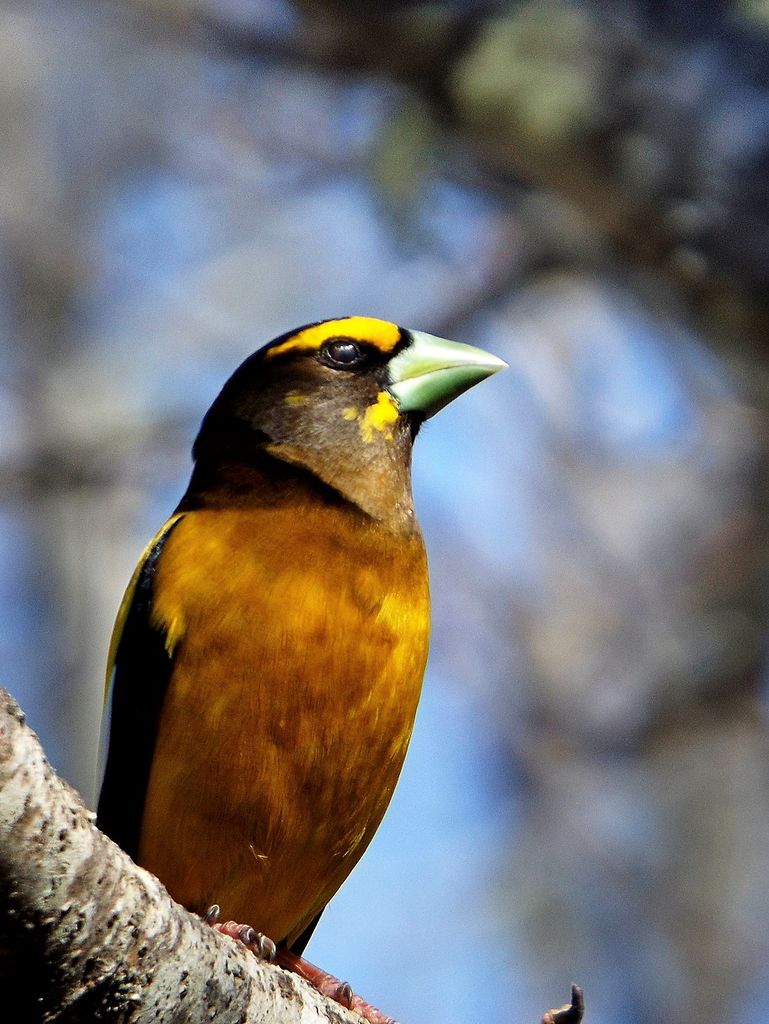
pixel 343 354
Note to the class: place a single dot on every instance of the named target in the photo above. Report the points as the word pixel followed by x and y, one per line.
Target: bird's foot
pixel 259 944
pixel 328 985
pixel 263 947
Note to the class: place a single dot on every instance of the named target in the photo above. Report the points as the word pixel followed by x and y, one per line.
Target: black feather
pixel 142 671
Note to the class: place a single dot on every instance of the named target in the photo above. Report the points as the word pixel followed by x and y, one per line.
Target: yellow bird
pixel 268 656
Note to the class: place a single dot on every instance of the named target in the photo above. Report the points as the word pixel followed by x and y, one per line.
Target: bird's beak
pixel 431 372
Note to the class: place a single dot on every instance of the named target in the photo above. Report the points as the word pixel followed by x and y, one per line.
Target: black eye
pixel 343 354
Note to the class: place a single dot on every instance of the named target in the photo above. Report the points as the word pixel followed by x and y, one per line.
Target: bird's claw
pixel 259 944
pixel 343 994
pixel 263 946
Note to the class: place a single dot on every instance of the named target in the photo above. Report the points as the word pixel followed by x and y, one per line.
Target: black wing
pixel 138 674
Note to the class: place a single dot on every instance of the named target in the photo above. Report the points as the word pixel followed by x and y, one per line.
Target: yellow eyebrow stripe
pixel 379 333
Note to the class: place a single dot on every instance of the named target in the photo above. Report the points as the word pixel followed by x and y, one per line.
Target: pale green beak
pixel 431 372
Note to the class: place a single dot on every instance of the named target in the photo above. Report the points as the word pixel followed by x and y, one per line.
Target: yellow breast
pixel 299 645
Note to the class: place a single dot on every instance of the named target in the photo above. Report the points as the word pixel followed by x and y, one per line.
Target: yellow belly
pixel 299 648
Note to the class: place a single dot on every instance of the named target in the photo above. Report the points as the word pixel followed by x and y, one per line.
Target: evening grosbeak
pixel 268 656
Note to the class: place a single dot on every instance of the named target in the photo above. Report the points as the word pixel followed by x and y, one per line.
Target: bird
pixel 267 658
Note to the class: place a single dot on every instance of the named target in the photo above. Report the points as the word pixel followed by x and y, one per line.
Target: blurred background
pixel 582 188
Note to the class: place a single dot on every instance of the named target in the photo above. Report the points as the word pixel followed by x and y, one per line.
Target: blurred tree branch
pixel 650 123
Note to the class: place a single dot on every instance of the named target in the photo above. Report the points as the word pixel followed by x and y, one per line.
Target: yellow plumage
pixel 269 652
pixel 282 735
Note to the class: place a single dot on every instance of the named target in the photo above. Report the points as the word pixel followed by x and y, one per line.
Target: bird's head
pixel 342 399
